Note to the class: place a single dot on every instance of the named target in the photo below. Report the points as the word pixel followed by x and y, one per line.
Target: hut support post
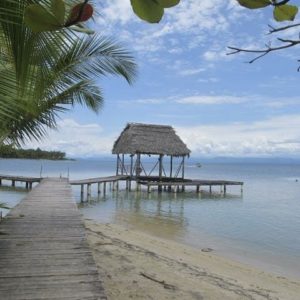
pixel 131 171
pixel 160 171
pixel 99 188
pixel 171 166
pixel 117 170
pixel 123 167
pixel 183 158
pixel 138 171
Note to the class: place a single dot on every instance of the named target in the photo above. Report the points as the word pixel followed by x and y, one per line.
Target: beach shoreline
pixel 135 265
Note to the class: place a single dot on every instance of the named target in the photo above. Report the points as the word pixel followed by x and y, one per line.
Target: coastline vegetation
pixel 9 151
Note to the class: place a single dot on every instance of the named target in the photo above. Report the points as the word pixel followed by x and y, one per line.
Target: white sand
pixel 134 265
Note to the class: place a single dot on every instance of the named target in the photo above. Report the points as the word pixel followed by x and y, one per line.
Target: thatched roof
pixel 150 139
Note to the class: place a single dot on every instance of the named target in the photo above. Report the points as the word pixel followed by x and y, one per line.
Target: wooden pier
pixel 162 184
pixel 101 184
pixel 24 179
pixel 44 253
pixel 177 186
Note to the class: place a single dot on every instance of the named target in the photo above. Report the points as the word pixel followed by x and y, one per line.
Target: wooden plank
pixel 44 253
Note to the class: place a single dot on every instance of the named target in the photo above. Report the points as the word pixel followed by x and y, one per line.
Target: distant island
pixel 8 151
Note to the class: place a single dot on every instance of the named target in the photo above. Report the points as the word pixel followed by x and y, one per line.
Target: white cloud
pixel 212 100
pixel 190 72
pixel 197 19
pixel 77 139
pixel 274 136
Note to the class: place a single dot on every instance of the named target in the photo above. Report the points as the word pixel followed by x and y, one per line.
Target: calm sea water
pixel 260 227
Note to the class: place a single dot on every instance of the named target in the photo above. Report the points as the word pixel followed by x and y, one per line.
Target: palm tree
pixel 43 74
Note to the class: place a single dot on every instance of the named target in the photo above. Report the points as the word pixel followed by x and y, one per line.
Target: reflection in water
pixel 160 214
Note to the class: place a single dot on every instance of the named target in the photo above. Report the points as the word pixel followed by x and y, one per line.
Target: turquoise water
pixel 261 227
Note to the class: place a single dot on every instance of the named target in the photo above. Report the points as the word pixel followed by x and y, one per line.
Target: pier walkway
pixel 44 253
pixel 24 179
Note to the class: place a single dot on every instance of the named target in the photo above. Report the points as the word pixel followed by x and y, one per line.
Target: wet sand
pixel 134 265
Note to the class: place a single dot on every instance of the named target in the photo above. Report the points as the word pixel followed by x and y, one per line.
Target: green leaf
pixel 168 3
pixel 39 19
pixel 254 4
pixel 59 9
pixel 285 12
pixel 148 10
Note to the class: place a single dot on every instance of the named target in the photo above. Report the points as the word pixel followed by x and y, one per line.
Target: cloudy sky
pixel 218 104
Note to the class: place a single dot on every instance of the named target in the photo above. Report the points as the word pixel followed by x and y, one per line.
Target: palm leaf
pixel 45 74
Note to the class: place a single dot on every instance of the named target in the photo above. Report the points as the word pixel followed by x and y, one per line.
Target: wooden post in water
pixel 30 185
pixel 13 183
pixel 148 188
pixel 0 181
pixel 99 188
pixel 225 189
pixel 81 192
pixel 242 189
pixel 198 189
pixel 160 172
pixel 210 189
pixel 89 187
pixel 104 188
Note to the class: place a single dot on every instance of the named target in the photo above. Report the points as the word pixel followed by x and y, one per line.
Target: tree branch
pixel 267 50
pixel 273 29
pixel 283 2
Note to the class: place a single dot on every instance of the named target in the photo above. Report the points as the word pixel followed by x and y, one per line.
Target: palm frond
pixel 42 75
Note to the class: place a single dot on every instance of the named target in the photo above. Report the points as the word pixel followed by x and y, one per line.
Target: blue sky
pixel 218 104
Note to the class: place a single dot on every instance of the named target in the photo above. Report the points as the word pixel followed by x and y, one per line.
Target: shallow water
pixel 261 227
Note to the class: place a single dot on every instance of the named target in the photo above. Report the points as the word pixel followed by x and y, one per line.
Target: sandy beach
pixel 134 265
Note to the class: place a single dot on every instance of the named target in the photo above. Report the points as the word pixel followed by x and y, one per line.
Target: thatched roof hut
pixel 150 139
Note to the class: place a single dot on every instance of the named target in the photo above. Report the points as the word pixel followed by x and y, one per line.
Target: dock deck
pixel 197 183
pixel 25 179
pixel 44 253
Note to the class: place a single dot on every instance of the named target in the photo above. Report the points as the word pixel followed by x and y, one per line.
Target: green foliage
pixel 150 11
pixel 43 74
pixel 168 3
pixel 8 151
pixel 285 12
pixel 39 19
pixel 254 4
pixel 281 10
